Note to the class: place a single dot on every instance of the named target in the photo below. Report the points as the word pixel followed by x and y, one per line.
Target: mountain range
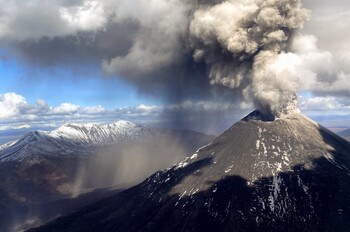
pixel 71 139
pixel 290 174
pixel 44 170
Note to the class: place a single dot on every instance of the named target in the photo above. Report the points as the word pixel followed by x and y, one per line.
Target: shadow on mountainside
pixel 307 198
pixel 42 186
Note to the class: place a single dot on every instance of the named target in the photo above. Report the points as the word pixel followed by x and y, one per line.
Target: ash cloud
pixel 125 166
pixel 177 49
pixel 246 45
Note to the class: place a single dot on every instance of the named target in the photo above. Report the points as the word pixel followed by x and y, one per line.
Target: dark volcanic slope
pixel 287 175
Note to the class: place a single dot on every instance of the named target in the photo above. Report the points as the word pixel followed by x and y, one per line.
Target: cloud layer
pixel 169 48
pixel 16 113
pixel 206 116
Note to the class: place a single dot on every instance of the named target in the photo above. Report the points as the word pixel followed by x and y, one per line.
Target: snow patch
pixel 194 156
pixel 274 192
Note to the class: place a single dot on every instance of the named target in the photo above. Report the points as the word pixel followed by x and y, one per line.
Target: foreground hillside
pixel 290 174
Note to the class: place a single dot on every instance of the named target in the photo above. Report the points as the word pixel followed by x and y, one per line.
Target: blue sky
pixel 84 86
pixel 78 66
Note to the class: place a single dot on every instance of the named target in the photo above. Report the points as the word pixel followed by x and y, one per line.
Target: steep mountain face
pixel 290 174
pixel 43 167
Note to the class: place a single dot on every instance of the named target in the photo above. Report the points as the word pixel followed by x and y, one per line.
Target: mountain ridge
pixel 288 174
pixel 71 137
pixel 54 167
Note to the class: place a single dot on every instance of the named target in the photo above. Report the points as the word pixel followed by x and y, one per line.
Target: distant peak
pixel 70 124
pixel 73 127
pixel 123 122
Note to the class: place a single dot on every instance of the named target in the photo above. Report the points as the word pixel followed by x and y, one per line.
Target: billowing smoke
pixel 246 45
pixel 241 45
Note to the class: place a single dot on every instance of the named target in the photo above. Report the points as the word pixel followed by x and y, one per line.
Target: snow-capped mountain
pixel 73 139
pixel 290 174
pixel 49 168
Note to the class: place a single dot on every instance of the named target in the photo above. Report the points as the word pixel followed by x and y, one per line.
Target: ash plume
pixel 246 45
pixel 175 49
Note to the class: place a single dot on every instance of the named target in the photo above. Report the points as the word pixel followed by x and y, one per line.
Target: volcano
pixel 289 174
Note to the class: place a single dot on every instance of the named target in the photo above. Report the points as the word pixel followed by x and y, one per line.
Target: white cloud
pixel 93 110
pixel 209 116
pixel 5 127
pixel 324 49
pixel 323 105
pixel 319 70
pixel 329 22
pixel 10 104
pixel 32 19
pixel 147 108
pixel 88 16
pixel 65 109
pixel 18 113
pixel 23 126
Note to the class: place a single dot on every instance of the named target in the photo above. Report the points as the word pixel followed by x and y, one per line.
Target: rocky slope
pixel 290 174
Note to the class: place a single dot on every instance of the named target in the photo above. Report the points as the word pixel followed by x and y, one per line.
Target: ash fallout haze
pixel 114 83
